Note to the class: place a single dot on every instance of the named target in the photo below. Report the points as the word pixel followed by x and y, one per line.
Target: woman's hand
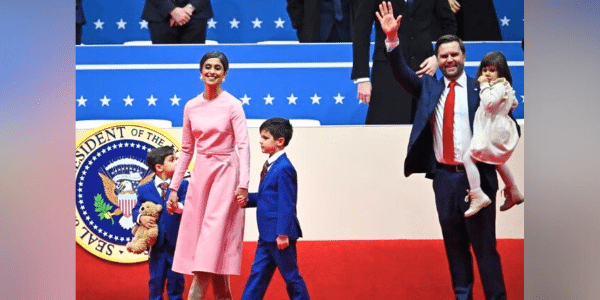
pixel 172 202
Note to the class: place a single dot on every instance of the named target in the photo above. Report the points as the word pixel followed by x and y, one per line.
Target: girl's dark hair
pixel 215 54
pixel 498 60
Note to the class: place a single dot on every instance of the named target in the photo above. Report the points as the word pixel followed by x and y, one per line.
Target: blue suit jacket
pixel 159 10
pixel 275 202
pixel 168 225
pixel 420 157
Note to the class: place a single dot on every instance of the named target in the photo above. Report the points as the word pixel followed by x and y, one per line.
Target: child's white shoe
pixel 513 197
pixel 479 200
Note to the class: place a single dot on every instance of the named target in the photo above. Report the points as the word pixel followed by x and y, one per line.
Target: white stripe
pixel 307 65
pixel 518 63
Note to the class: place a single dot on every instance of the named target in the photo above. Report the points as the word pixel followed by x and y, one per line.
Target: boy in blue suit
pixel 278 225
pixel 162 161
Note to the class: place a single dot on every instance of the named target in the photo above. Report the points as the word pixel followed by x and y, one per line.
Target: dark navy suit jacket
pixel 159 10
pixel 314 19
pixel 79 15
pixel 275 202
pixel 168 224
pixel 420 157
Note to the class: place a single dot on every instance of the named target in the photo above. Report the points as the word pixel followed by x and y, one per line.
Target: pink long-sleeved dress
pixel 212 225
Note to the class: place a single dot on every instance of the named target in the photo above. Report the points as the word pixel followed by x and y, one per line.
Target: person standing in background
pixel 476 20
pixel 177 21
pixel 320 21
pixel 79 21
pixel 390 103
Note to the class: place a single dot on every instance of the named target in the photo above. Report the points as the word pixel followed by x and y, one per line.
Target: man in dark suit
pixel 477 20
pixel 424 21
pixel 320 21
pixel 439 137
pixel 79 21
pixel 177 21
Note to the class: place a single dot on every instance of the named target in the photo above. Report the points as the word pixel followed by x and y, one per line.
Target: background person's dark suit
pixel 79 21
pixel 157 13
pixel 450 188
pixel 390 103
pixel 314 20
pixel 477 20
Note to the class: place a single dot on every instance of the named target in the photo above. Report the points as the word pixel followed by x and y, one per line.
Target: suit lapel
pixel 155 194
pixel 436 93
pixel 473 98
pixel 271 169
pixel 425 111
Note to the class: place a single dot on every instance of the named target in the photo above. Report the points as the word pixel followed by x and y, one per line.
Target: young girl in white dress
pixel 495 133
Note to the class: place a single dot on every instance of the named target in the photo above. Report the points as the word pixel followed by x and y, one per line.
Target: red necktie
pixel 448 129
pixel 264 171
pixel 163 186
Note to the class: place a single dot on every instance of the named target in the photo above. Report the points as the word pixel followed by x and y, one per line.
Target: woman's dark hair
pixel 498 60
pixel 215 54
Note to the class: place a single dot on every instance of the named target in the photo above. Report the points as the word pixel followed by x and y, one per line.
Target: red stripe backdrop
pixel 389 269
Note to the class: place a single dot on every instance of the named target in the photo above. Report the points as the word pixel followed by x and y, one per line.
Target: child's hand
pixel 241 196
pixel 497 80
pixel 482 79
pixel 147 221
pixel 172 203
pixel 282 242
pixel 241 201
pixel 171 206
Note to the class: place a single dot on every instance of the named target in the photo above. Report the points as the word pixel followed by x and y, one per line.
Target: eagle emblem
pixel 110 165
pixel 120 188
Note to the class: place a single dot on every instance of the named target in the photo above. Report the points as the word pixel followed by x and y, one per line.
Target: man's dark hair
pixel 215 54
pixel 449 38
pixel 278 127
pixel 157 156
pixel 498 60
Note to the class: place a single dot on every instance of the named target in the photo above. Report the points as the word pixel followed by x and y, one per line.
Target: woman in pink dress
pixel 209 244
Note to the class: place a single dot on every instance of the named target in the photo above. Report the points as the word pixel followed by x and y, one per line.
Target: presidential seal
pixel 110 163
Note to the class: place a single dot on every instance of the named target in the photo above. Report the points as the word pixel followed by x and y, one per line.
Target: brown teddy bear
pixel 144 238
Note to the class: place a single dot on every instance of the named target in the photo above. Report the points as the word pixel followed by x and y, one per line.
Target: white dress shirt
pixel 462 130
